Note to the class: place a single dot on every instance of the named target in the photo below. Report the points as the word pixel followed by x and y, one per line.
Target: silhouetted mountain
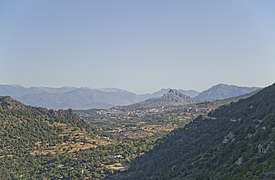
pixel 171 98
pixel 223 91
pixel 190 93
pixel 235 141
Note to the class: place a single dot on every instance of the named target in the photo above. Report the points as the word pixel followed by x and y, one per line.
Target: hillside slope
pixel 33 141
pixel 37 143
pixel 235 142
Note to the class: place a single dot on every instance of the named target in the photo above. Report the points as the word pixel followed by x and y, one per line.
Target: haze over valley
pixel 137 90
pixel 87 98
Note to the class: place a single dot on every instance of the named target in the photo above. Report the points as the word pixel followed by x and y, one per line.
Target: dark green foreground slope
pixel 235 142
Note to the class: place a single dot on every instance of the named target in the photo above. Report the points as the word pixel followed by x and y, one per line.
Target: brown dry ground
pixel 74 140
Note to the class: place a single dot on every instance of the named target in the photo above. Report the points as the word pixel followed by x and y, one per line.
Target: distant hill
pixel 171 98
pixel 235 141
pixel 191 93
pixel 77 98
pixel 223 91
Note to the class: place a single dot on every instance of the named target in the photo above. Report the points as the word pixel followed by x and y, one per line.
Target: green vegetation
pixel 36 143
pixel 235 141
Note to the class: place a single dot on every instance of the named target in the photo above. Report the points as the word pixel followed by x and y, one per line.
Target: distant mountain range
pixel 78 98
pixel 69 97
pixel 171 98
pixel 87 98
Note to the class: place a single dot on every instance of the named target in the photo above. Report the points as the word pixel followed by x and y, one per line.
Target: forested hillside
pixel 36 143
pixel 234 142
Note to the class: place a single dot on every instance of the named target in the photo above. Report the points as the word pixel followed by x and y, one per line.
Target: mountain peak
pixel 221 85
pixel 223 91
pixel 170 91
pixel 171 98
pixel 174 94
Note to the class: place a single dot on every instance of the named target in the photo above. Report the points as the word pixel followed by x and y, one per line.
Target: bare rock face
pixel 239 161
pixel 229 138
pixel 264 148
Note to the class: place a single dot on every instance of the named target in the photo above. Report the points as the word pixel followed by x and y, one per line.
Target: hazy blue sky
pixel 140 45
